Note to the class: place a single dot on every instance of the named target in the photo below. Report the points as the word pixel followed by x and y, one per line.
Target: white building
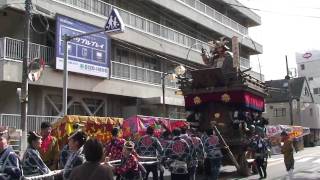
pixel 308 63
pixel 159 34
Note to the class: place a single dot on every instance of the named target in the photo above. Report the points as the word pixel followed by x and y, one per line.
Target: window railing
pixel 138 74
pixel 12 49
pixel 245 63
pixel 215 15
pixel 134 21
pixel 33 121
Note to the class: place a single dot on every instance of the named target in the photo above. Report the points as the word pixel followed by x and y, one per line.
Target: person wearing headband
pixel 65 151
pixel 76 158
pixel 49 150
pixel 9 161
pixel 32 163
pixel 129 166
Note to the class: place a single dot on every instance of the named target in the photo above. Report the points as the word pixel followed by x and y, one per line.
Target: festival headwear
pixel 4 132
pixel 129 145
pixel 33 136
pixel 284 133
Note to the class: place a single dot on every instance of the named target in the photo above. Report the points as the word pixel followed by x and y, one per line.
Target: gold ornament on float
pixel 225 98
pixel 197 100
pixel 217 115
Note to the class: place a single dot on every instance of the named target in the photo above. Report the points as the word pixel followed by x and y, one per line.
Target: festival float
pixel 227 99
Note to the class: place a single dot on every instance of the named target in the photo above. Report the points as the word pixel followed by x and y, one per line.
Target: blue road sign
pixel 114 22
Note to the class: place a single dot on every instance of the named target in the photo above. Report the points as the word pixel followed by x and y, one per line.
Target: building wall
pixel 309 68
pixel 281 118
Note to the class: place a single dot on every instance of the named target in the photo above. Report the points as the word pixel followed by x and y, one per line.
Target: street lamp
pixel 179 71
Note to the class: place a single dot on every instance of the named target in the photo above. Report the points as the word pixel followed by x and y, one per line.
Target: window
pixel 311 112
pixel 302 67
pixel 310 78
pixel 279 112
pixel 316 90
pixel 306 92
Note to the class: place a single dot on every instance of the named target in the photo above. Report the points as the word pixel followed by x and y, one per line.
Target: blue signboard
pixel 88 54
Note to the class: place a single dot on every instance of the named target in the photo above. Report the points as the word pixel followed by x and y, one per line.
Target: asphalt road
pixel 307 167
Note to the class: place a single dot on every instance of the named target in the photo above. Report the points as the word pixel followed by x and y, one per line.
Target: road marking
pixel 316 161
pixel 276 159
pixel 305 159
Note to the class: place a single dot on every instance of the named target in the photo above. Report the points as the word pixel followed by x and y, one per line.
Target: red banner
pixel 243 98
pixel 137 125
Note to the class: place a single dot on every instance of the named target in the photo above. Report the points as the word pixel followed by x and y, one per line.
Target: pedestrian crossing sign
pixel 114 23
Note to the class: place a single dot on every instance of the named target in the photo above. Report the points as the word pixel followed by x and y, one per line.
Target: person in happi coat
pixel 260 147
pixel 92 169
pixel 49 150
pixel 10 168
pixel 76 158
pixel 149 146
pixel 65 151
pixel 129 165
pixel 113 149
pixel 197 154
pixel 191 165
pixel 214 155
pixel 287 151
pixel 165 139
pixel 32 164
pixel 178 155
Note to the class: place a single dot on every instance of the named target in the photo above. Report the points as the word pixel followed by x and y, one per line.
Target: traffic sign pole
pixel 118 26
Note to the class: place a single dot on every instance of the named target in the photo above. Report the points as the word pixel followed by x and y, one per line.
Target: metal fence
pixel 139 23
pixel 33 121
pixel 215 15
pixel 12 49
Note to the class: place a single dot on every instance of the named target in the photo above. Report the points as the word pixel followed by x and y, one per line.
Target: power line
pixel 276 12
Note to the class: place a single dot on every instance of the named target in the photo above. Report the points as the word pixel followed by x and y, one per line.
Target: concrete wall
pixel 311 70
pixel 310 116
pixel 131 35
pixel 282 120
pixel 9 101
pixel 207 22
pixel 247 12
pixel 54 78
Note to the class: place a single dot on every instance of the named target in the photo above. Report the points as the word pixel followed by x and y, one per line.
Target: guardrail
pixel 12 49
pixel 215 15
pixel 33 121
pixel 139 23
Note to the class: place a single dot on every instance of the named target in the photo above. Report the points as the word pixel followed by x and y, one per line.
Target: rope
pixel 56 172
pixel 51 174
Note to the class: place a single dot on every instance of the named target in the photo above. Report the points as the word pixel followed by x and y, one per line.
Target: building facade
pixel 308 63
pixel 305 112
pixel 159 35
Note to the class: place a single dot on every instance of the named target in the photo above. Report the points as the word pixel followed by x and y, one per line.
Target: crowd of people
pixel 181 151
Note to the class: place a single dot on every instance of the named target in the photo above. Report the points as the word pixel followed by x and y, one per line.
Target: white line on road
pixel 305 159
pixel 316 161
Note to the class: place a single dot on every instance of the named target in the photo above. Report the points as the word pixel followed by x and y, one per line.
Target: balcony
pixel 215 15
pixel 139 23
pixel 12 50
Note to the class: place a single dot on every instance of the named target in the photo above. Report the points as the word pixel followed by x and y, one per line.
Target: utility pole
pixel 163 76
pixel 66 38
pixel 24 83
pixel 289 92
